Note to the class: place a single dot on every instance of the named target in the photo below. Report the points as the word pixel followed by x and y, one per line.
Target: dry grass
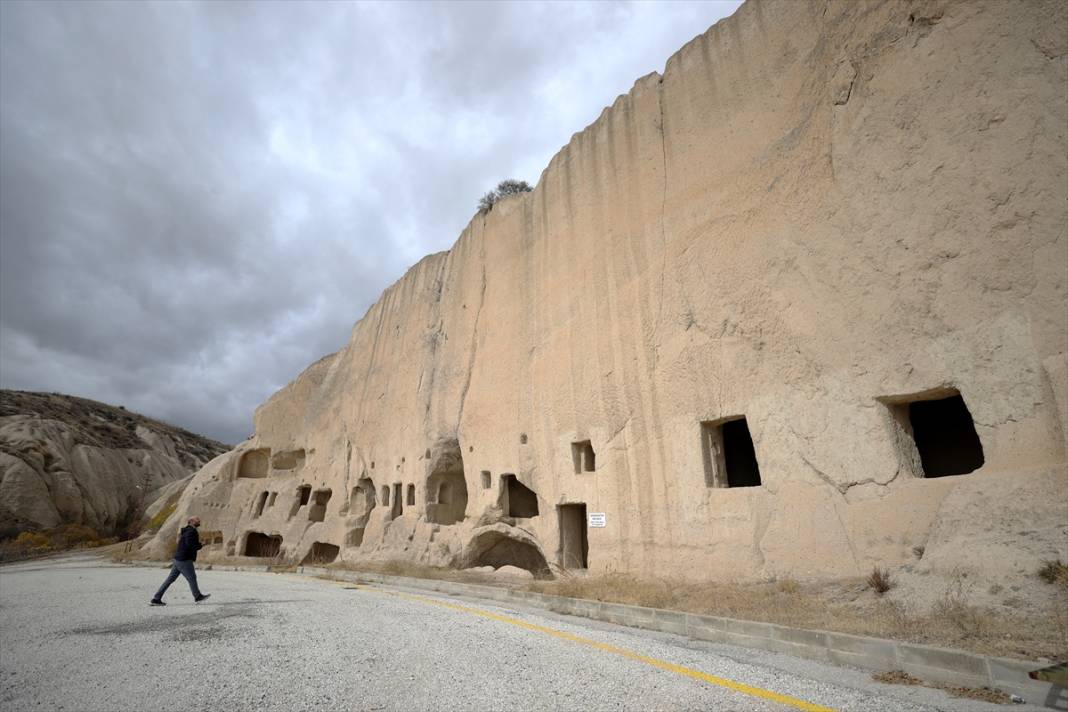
pixel 1053 571
pixel 838 606
pixel 879 581
pixel 986 694
pixel 156 522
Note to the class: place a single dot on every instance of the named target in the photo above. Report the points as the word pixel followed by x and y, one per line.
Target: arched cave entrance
pixel 446 488
pixel 497 548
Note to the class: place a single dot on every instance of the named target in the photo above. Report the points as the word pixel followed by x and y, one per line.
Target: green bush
pixel 503 189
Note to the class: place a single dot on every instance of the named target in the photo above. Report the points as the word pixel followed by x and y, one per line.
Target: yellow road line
pixel 605 647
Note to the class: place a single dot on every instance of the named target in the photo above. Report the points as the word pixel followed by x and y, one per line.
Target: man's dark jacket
pixel 188 544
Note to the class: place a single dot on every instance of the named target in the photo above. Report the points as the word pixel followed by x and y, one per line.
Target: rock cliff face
pixel 71 460
pixel 795 307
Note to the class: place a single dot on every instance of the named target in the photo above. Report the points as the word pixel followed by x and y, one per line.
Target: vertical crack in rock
pixel 474 330
pixel 663 212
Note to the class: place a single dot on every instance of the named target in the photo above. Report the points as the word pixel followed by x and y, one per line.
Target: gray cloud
pixel 199 200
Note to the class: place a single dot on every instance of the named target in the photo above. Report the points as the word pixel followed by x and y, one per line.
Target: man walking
pixel 184 556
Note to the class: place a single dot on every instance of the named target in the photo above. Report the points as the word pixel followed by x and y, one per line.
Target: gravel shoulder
pixel 78 634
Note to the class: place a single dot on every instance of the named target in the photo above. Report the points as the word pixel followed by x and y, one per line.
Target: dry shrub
pixel 879 580
pixel 1053 571
pixel 788 586
pixel 955 610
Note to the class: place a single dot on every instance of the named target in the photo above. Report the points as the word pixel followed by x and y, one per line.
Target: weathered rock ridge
pixel 70 460
pixel 844 222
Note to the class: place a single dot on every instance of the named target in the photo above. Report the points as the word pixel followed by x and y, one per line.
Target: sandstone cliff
pixel 72 460
pixel 794 307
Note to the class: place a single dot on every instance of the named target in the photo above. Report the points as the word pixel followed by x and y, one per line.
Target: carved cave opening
pixel 303 496
pixel 398 503
pixel 942 431
pixel 355 537
pixel 517 500
pixel 261 545
pixel 728 453
pixel 253 464
pixel 583 457
pixel 321 553
pixel 496 549
pixel 574 543
pixel 447 487
pixel 362 500
pixel 261 502
pixel 410 501
pixel 317 513
pixel 288 460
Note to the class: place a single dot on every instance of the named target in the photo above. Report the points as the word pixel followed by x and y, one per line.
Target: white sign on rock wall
pixel 597 519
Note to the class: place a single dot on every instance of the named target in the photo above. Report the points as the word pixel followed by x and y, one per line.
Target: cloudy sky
pixel 197 200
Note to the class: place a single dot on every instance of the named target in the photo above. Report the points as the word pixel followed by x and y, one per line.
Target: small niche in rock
pixel 321 553
pixel 317 513
pixel 583 457
pixel 254 463
pixel 303 495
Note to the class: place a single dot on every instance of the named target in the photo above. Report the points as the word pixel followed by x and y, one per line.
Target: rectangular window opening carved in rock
pixel 583 457
pixel 935 433
pixel 517 500
pixel 410 500
pixel 728 453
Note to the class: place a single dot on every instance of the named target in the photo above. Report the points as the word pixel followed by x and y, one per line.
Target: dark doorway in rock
pixel 355 537
pixel 583 457
pixel 446 487
pixel 496 549
pixel 362 500
pixel 317 513
pixel 945 437
pixel 729 455
pixel 410 499
pixel 261 545
pixel 261 501
pixel 398 501
pixel 303 496
pixel 517 500
pixel 574 544
pixel 321 553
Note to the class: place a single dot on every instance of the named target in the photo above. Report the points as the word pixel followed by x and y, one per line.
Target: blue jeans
pixel 180 568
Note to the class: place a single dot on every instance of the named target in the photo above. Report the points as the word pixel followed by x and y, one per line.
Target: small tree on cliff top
pixel 503 189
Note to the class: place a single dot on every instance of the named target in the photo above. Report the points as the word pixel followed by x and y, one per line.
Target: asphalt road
pixel 78 634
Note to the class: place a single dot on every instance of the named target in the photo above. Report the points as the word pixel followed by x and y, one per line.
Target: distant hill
pixel 65 459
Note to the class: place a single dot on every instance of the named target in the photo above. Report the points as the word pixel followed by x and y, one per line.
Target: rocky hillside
pixel 72 460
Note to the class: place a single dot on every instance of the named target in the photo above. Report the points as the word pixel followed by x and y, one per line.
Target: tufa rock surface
pixel 796 307
pixel 71 460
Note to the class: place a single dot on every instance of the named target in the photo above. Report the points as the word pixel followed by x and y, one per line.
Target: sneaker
pixel 156 602
pixel 202 598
